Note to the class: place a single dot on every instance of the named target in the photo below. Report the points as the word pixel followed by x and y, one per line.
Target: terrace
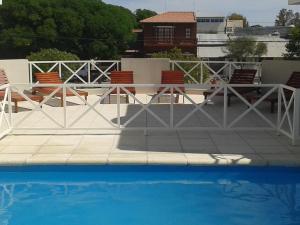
pixel 150 128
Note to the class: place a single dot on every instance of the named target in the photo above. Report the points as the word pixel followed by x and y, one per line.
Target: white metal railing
pixel 201 72
pixel 81 70
pixel 167 116
pixel 92 71
pixel 5 110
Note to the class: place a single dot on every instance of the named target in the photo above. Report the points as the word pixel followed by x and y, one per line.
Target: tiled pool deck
pixel 255 148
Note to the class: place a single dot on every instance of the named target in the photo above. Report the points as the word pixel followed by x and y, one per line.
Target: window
pixel 210 20
pixel 164 34
pixel 187 33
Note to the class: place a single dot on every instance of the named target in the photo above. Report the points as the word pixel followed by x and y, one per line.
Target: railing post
pixel 201 71
pixel 59 69
pixel 89 72
pixel 296 118
pixel 225 106
pixel 230 70
pixel 172 108
pixel 9 107
pixel 65 105
pixel 118 107
pixel 118 65
pixel 30 73
pixel 279 114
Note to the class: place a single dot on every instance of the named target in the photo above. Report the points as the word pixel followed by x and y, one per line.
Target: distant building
pixel 232 25
pixel 210 24
pixel 169 30
pixel 211 46
pixel 294 2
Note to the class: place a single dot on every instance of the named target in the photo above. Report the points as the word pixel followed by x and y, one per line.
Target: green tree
pixel 293 47
pixel 236 16
pixel 51 55
pixel 142 14
pixel 87 28
pixel 54 55
pixel 176 54
pixel 243 48
pixel 285 18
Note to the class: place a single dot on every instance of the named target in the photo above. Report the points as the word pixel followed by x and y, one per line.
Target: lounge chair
pixel 122 77
pixel 53 78
pixel 15 96
pixel 293 81
pixel 240 76
pixel 172 77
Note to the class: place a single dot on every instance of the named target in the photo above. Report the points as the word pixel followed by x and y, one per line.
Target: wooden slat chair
pixel 172 77
pixel 293 81
pixel 122 77
pixel 15 96
pixel 239 76
pixel 53 78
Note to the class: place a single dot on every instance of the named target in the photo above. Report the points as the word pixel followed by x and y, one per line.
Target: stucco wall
pixel 278 71
pixel 146 71
pixel 17 70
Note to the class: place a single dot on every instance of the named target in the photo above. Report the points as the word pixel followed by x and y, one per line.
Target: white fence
pixel 82 71
pixel 160 111
pixel 95 71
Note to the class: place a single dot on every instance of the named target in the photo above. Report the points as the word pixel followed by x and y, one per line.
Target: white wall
pixel 17 70
pixel 146 71
pixel 278 71
pixel 210 27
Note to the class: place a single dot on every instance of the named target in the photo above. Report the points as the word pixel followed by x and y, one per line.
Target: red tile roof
pixel 172 17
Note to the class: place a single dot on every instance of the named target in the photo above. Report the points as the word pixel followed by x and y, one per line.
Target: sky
pixel 261 12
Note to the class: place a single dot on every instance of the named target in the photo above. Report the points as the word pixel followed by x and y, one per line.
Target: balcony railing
pixel 98 114
pixel 95 72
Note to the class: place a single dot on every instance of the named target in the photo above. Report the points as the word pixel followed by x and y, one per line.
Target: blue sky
pixel 257 11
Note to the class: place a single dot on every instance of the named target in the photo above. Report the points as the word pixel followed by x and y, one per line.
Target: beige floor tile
pixel 167 158
pixel 14 159
pixel 51 149
pixel 64 140
pixel 30 140
pixel 92 149
pixel 119 158
pixel 201 149
pixel 98 159
pixel 26 149
pixel 244 159
pixel 205 159
pixel 263 142
pixel 235 149
pixel 271 149
pixel 48 159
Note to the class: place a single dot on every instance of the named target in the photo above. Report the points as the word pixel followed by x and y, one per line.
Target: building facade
pixel 294 2
pixel 169 30
pixel 211 24
pixel 232 25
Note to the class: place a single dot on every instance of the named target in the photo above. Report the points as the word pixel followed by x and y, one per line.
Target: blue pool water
pixel 119 195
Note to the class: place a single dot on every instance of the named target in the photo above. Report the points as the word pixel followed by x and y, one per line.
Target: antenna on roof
pixel 165 9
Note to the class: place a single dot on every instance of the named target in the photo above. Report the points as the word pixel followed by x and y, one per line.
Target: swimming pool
pixel 145 195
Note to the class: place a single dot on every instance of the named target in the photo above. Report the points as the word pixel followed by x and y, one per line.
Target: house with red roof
pixel 169 30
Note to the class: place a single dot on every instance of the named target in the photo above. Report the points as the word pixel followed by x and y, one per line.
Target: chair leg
pixel 127 99
pixel 62 101
pixel 86 98
pixel 109 99
pixel 16 107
